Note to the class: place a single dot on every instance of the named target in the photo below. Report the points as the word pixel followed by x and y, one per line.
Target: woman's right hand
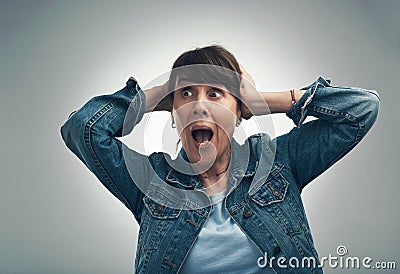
pixel 158 98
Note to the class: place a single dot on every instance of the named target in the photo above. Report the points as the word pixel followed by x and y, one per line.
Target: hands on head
pixel 248 96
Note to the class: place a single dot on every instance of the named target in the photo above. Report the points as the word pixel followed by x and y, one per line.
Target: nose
pixel 200 109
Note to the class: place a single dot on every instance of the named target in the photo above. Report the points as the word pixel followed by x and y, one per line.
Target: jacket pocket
pixel 272 191
pixel 274 199
pixel 157 223
pixel 160 211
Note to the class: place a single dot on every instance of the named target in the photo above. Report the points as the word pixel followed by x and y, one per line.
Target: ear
pixel 238 117
pixel 239 110
pixel 165 104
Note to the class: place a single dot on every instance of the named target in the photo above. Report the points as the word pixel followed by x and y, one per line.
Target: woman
pixel 220 207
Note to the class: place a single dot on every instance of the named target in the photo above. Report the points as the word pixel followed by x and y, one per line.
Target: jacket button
pixel 276 192
pixel 159 208
pixel 277 249
pixel 248 213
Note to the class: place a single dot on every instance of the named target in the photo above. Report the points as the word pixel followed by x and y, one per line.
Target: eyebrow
pixel 190 84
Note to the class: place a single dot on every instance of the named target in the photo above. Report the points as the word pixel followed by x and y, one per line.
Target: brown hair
pixel 223 67
pixel 212 55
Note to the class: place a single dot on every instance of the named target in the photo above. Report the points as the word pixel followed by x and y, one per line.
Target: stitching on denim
pixel 297 241
pixel 146 259
pixel 306 103
pixel 143 228
pixel 298 247
pixel 87 137
pixel 284 185
pixel 164 216
pixel 307 234
pixel 173 240
pixel 202 212
pixel 154 239
pixel 88 143
pixel 361 131
pixel 280 217
pixel 332 112
pixel 197 208
pixel 238 206
pixel 267 227
pixel 276 168
pixel 160 194
pixel 291 201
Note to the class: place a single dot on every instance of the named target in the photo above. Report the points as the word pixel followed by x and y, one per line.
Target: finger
pixel 242 70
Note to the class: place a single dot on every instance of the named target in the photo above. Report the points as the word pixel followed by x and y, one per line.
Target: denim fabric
pixel 263 190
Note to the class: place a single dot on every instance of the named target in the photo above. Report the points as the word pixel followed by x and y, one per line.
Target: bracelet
pixel 292 95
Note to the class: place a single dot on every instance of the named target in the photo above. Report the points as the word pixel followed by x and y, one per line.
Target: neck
pixel 215 179
pixel 215 186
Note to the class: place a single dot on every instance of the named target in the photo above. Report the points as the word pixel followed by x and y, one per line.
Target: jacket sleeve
pixel 90 133
pixel 344 116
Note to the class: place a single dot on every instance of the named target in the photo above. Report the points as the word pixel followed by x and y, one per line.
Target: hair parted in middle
pixel 220 67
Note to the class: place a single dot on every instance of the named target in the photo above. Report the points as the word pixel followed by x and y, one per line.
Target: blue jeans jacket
pixel 264 188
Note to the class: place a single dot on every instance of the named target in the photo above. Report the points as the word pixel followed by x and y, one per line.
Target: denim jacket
pixel 264 202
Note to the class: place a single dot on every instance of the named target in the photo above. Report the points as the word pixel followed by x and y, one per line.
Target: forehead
pixel 183 81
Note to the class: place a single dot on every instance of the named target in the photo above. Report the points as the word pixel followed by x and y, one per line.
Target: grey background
pixel 55 55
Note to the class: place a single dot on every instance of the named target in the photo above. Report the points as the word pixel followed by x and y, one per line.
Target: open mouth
pixel 202 134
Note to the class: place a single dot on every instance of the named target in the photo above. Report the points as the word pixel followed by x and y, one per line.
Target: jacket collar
pixel 241 166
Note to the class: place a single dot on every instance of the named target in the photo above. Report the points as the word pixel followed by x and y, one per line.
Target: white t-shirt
pixel 222 247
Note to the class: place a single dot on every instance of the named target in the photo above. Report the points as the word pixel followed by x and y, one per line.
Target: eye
pixel 186 92
pixel 215 93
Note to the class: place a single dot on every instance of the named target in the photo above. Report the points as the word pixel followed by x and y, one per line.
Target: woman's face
pixel 205 117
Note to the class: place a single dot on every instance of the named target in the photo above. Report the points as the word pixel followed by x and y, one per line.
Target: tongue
pixel 202 136
pixel 206 135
